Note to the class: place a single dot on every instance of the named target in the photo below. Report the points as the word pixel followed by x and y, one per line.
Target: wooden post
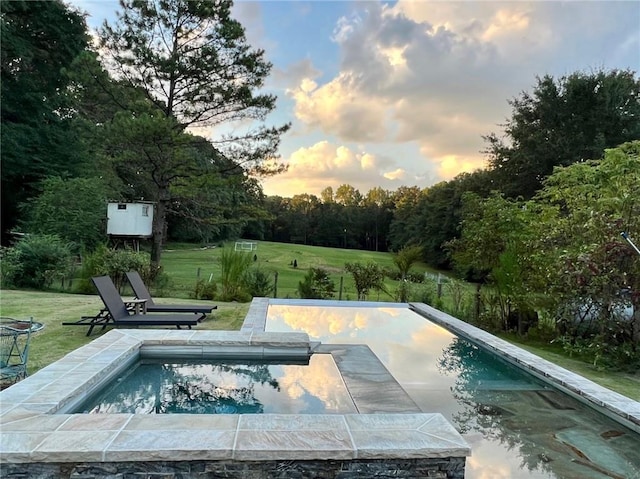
pixel 275 285
pixel 477 311
pixel 340 293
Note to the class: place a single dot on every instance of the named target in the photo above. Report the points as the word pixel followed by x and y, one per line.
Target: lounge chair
pixel 116 312
pixel 141 291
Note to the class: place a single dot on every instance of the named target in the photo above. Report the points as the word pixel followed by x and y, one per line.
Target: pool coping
pixel 34 430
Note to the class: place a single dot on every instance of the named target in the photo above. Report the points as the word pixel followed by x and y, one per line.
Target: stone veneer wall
pixel 433 468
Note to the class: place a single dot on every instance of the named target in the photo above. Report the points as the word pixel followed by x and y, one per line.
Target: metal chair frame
pixel 15 338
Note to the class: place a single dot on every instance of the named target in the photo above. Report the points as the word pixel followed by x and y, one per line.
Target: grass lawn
pixel 56 340
pixel 623 382
pixel 184 262
pixel 52 309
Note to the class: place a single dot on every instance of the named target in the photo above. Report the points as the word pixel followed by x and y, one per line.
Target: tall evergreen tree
pixel 192 61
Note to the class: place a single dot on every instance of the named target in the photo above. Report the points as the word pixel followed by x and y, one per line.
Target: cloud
pixel 340 108
pixel 407 80
pixel 440 74
pixel 313 168
pixel 397 174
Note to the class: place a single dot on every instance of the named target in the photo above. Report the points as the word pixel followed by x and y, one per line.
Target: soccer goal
pixel 246 246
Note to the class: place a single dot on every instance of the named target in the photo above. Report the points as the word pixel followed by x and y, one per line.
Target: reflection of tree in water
pixel 203 388
pixel 196 393
pixel 524 416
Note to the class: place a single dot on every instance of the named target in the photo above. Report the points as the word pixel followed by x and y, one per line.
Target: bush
pixel 76 218
pixel 257 283
pixel 316 285
pixel 36 261
pixel 205 289
pixel 233 265
pixel 115 263
pixel 416 292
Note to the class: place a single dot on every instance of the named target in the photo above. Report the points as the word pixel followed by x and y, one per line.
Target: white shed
pixel 132 220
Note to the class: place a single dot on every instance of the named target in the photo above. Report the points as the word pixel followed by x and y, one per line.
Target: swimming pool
pixel 519 426
pixel 224 387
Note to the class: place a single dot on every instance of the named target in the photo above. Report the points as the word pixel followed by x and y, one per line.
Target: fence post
pixel 477 311
pixel 198 274
pixel 340 293
pixel 275 285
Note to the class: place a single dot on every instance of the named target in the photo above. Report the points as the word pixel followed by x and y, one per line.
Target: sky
pixel 390 94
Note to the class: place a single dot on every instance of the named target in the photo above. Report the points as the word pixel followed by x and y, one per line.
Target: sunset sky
pixel 400 93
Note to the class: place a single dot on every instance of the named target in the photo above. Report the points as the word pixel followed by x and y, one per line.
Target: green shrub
pixel 257 283
pixel 402 293
pixel 366 277
pixel 233 265
pixel 205 289
pixel 115 263
pixel 316 285
pixel 77 218
pixel 36 261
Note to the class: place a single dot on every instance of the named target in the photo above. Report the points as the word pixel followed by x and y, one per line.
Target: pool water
pixel 517 426
pixel 224 387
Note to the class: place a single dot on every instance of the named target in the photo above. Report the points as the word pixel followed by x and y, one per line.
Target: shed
pixel 130 220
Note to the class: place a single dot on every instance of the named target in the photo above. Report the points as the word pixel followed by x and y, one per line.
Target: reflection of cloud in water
pixel 399 337
pixel 490 460
pixel 303 387
pixel 348 324
pixel 321 380
pixel 416 360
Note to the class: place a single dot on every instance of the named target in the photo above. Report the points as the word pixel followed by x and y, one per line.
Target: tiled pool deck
pixel 36 429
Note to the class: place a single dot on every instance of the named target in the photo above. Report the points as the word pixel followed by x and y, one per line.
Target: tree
pixel 405 201
pixel 366 277
pixel 432 218
pixel 316 285
pixel 303 208
pixel 492 248
pixel 582 260
pixel 347 195
pixel 488 226
pixel 39 40
pixel 326 195
pixel 378 203
pixel 192 62
pixel 563 121
pixel 406 258
pixel 73 209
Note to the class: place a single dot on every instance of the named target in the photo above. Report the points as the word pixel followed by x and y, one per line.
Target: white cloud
pixel 403 80
pixel 340 108
pixel 397 174
pixel 313 168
